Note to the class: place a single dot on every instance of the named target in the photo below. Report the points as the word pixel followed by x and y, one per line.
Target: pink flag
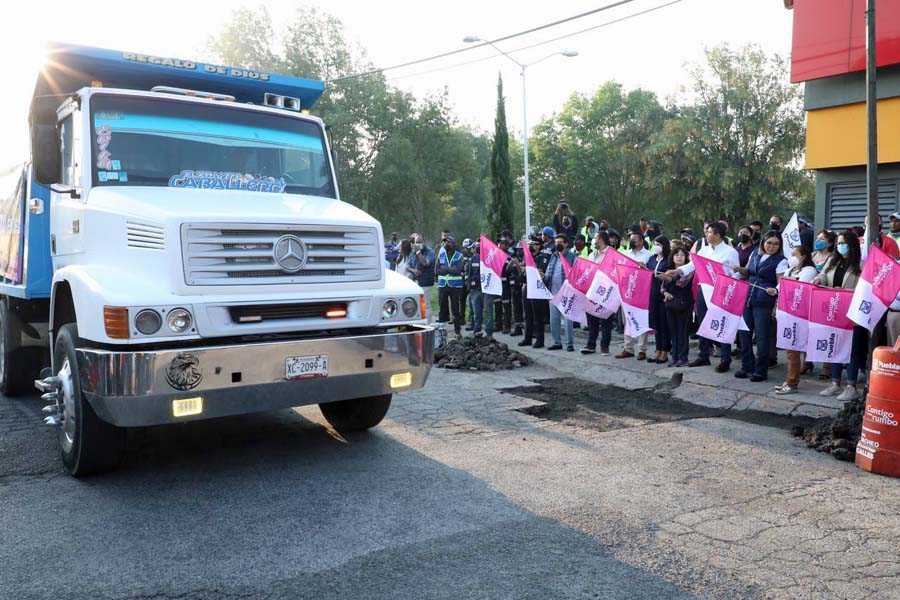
pixel 634 288
pixel 602 298
pixel 582 274
pixel 706 273
pixel 877 288
pixel 792 315
pixel 725 310
pixel 830 329
pixel 534 284
pixel 492 261
pixel 568 298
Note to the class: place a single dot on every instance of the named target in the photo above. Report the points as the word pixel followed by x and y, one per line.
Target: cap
pixel 535 239
pixel 687 230
pixel 804 220
pixel 588 218
pixel 467 243
pixel 450 238
pixel 548 231
pixel 895 215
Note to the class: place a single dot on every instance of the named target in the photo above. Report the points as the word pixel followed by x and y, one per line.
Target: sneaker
pixel 588 351
pixel 524 343
pixel 555 347
pixel 570 348
pixel 625 354
pixel 785 389
pixel 832 390
pixel 604 351
pixel 850 393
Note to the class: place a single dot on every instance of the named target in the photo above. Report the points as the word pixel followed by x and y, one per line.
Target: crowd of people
pixel 754 253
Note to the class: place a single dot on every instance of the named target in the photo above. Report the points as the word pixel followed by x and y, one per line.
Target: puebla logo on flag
pixel 492 261
pixel 878 286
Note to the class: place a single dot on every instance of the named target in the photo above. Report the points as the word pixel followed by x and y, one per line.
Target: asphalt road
pixel 456 495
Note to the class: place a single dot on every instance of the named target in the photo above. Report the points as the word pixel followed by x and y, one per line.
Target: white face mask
pixel 793 262
pixel 657 249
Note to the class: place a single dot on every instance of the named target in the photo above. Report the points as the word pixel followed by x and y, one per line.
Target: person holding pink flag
pixel 537 296
pixel 603 291
pixel 719 251
pixel 765 268
pixel 679 298
pixel 554 278
pixel 841 271
pixel 493 259
pixel 792 316
pixel 725 311
pixel 878 286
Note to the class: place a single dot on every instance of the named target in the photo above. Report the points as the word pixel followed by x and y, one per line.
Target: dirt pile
pixel 836 435
pixel 479 354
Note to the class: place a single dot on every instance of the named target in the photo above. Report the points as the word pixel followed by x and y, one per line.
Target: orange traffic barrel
pixel 878 450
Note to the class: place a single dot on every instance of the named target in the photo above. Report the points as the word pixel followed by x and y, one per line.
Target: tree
pixel 734 150
pixel 500 211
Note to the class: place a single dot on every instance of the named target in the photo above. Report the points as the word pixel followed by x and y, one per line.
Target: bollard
pixel 878 450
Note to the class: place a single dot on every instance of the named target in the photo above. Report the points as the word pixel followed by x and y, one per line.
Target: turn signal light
pixel 422 312
pixel 115 320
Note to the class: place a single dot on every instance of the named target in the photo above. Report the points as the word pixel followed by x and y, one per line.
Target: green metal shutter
pixel 846 202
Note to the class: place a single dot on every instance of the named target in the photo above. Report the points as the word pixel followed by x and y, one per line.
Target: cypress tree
pixel 500 211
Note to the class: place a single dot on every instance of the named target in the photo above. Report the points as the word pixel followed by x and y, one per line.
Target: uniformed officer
pixel 537 312
pixel 448 269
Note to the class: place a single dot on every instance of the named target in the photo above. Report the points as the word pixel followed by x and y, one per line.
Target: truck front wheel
pixel 87 443
pixel 357 414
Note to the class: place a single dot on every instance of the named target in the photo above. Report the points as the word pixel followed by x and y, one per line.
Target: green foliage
pixel 735 150
pixel 500 211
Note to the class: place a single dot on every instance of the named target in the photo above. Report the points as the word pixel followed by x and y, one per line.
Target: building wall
pixel 836 136
pixel 841 199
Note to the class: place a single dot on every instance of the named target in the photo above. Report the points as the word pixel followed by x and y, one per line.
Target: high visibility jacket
pixel 453 279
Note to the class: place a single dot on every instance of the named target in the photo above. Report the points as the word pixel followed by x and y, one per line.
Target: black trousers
pixel 464 303
pixel 537 313
pixel 597 325
pixel 518 306
pixel 503 309
pixel 450 302
pixel 677 323
pixel 659 325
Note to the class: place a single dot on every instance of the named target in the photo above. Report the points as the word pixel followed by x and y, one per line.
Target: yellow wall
pixel 836 137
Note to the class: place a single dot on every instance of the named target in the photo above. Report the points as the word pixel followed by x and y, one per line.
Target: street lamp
pixel 568 54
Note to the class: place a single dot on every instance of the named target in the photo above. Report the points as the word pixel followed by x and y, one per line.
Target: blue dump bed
pixel 25 263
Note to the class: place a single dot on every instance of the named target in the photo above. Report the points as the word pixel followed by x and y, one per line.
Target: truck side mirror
pixel 45 153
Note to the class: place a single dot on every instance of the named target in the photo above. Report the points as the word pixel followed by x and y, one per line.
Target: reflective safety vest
pixel 454 281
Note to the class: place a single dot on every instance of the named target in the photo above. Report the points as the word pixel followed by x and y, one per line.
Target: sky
pixel 649 51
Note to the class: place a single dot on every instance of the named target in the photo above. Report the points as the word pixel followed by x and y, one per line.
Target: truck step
pixel 48 384
pixel 53 421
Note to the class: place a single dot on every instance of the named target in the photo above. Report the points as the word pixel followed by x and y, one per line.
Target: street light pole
pixel 523 67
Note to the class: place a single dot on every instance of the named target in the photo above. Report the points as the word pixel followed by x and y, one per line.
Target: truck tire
pixel 19 366
pixel 87 444
pixel 357 414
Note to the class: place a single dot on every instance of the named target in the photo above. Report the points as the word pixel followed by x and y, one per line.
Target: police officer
pixel 448 268
pixel 472 280
pixel 502 310
pixel 537 312
pixel 515 269
pixel 464 302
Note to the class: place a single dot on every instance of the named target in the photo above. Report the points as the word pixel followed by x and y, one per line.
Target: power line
pixel 483 44
pixel 522 48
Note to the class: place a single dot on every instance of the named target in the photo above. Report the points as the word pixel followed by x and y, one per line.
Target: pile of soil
pixel 836 435
pixel 479 354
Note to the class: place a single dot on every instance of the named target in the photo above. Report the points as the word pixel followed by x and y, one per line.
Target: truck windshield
pixel 167 143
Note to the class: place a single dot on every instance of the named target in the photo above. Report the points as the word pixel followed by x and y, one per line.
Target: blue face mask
pixel 820 244
pixel 843 249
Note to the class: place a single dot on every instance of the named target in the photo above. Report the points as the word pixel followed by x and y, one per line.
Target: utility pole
pixel 873 232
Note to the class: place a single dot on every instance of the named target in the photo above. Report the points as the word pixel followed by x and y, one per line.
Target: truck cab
pixel 183 253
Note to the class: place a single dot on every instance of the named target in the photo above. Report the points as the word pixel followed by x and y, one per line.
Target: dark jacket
pixel 657 265
pixel 763 275
pixel 426 271
pixel 472 274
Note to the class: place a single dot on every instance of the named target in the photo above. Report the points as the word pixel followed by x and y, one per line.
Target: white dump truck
pixel 175 248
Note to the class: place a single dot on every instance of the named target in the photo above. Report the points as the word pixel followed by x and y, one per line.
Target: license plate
pixel 306 367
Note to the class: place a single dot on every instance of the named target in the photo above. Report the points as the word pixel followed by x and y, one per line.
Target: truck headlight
pixel 410 308
pixel 390 309
pixel 148 322
pixel 179 320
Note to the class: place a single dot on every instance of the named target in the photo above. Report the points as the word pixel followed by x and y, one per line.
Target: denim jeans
pixel 476 307
pixel 488 300
pixel 758 319
pixel 555 324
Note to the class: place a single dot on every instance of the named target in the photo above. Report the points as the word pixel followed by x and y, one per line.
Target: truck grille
pixel 223 254
pixel 275 312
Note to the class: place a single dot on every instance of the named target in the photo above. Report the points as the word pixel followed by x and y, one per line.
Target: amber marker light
pixel 115 320
pixel 336 312
pixel 422 310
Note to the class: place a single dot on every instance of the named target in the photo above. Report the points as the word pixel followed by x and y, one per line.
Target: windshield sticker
pixel 215 180
pixel 112 176
pixel 116 165
pixel 104 137
pixel 123 177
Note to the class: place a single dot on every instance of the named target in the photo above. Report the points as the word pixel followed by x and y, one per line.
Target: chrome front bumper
pixel 136 388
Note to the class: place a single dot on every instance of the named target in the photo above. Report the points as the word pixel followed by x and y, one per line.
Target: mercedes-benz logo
pixel 289 253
